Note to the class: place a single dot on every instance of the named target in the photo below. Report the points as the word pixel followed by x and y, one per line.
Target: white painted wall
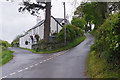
pixel 53 26
pixel 59 28
pixel 40 31
pixel 22 42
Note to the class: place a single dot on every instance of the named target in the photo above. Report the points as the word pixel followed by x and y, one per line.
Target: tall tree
pixel 34 8
pixel 47 21
pixel 96 12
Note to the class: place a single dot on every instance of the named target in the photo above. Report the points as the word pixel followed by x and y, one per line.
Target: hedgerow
pixel 107 40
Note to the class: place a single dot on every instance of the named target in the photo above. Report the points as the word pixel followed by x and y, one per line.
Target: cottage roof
pixel 58 20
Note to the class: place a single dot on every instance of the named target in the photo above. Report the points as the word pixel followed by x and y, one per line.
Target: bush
pixel 57 42
pixel 71 33
pixel 108 39
pixel 47 45
pixel 4 43
pixel 78 22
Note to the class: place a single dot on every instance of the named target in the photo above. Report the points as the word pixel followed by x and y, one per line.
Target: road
pixel 66 64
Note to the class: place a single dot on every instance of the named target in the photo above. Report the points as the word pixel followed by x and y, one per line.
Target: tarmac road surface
pixel 66 64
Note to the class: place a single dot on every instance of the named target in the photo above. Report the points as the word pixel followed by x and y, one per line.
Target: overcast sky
pixel 13 23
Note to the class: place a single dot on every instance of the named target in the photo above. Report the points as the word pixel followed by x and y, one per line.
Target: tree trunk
pixel 47 21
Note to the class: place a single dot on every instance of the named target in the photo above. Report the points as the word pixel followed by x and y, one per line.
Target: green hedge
pixel 107 40
pixel 99 68
pixel 69 45
pixel 71 33
pixel 78 22
pixel 4 43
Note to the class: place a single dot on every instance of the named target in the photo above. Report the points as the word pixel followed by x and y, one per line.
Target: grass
pixel 5 56
pixel 68 46
pixel 99 68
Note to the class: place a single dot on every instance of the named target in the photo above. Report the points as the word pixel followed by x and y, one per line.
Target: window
pixel 26 42
pixel 63 24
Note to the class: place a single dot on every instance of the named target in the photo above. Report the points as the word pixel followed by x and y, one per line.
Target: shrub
pixel 37 37
pixel 57 42
pixel 4 43
pixel 108 39
pixel 71 33
pixel 78 22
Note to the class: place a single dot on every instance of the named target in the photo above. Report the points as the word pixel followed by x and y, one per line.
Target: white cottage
pixel 37 32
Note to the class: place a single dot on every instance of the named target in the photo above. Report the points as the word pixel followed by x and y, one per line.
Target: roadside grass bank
pixel 104 57
pixel 6 57
pixel 99 68
pixel 5 53
pixel 68 46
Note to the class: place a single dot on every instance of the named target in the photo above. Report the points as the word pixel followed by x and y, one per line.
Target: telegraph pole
pixel 64 25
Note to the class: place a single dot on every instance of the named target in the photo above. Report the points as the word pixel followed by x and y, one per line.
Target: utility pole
pixel 64 25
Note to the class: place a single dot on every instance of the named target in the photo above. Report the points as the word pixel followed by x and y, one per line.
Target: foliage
pixel 99 68
pixel 34 7
pixel 94 12
pixel 37 37
pixel 97 12
pixel 71 33
pixel 107 39
pixel 4 43
pixel 5 54
pixel 69 45
pixel 16 40
pixel 78 22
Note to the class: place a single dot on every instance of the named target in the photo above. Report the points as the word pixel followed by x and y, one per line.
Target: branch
pixel 32 7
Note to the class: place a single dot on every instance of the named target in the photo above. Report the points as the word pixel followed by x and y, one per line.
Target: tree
pixel 78 22
pixel 16 40
pixel 47 21
pixel 96 12
pixel 34 8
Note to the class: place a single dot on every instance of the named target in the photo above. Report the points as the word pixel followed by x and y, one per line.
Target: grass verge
pixel 68 46
pixel 99 68
pixel 5 56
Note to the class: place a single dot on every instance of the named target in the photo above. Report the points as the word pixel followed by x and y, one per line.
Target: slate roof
pixel 58 20
pixel 37 25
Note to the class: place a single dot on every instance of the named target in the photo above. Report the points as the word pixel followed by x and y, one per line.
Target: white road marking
pixel 36 64
pixel 41 62
pixel 20 70
pixel 44 60
pixel 3 77
pixel 26 68
pixel 31 66
pixel 12 73
pixel 50 57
